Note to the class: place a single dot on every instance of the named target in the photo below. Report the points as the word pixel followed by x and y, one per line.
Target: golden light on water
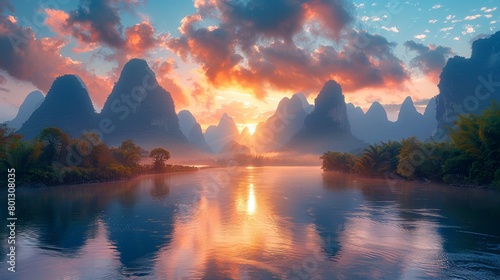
pixel 251 204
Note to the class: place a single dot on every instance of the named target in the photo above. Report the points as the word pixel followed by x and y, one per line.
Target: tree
pixel 477 137
pixel 23 157
pixel 392 148
pixel 8 140
pixel 343 162
pixel 159 156
pixel 54 141
pixel 128 154
pixel 374 161
pixel 94 152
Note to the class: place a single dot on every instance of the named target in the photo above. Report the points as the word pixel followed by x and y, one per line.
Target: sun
pixel 251 127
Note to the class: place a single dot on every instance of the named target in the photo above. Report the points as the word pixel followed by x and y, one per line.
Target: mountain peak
pixel 330 112
pixel 407 107
pixel 68 90
pixel 302 100
pixel 218 136
pixel 141 109
pixel 137 69
pixel 245 132
pixel 134 64
pixel 377 111
pixel 430 110
pixel 36 94
pixel 66 106
pixel 226 119
pixel 32 101
pixel 186 122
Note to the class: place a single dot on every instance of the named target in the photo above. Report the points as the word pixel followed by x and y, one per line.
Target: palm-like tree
pixel 374 161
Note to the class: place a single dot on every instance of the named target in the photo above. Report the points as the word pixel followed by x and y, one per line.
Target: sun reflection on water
pixel 251 204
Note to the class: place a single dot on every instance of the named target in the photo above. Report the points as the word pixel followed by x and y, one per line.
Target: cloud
pixel 6 5
pixel 251 47
pixel 468 29
pixel 488 10
pixel 97 23
pixel 445 29
pixel 433 21
pixel 473 17
pixel 430 60
pixel 38 60
pixel 164 74
pixel 437 6
pixel 420 36
pixel 391 29
pixel 202 96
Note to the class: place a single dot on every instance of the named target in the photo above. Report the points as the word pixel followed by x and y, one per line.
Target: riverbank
pixel 96 179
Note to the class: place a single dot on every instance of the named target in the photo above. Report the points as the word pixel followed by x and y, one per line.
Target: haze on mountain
pixel 327 126
pixel 192 130
pixel 246 139
pixel 66 106
pixel 217 136
pixel 374 126
pixel 32 102
pixel 286 121
pixel 468 85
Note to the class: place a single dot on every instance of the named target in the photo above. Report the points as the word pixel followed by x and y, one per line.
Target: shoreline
pixel 396 177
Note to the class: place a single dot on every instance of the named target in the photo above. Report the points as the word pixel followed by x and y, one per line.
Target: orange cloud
pixel 39 61
pixel 164 74
pixel 247 50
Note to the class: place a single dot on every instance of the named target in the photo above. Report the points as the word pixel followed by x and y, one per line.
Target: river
pixel 254 223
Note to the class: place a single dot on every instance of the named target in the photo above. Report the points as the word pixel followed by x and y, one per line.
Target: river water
pixel 255 223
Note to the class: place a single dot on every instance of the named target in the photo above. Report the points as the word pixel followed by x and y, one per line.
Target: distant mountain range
pixel 217 136
pixel 327 127
pixel 286 121
pixel 374 126
pixel 138 108
pixel 154 122
pixel 192 130
pixel 29 105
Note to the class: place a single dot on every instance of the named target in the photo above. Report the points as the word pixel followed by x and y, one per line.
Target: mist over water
pixel 256 222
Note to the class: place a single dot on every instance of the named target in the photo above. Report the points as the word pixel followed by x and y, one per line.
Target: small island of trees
pixel 470 157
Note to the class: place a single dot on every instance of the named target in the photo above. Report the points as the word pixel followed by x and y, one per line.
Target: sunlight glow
pixel 252 127
pixel 251 204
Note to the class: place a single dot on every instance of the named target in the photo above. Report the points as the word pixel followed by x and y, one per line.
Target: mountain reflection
pixel 251 223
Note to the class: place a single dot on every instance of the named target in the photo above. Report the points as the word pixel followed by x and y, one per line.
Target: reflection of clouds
pixel 384 246
pixel 227 235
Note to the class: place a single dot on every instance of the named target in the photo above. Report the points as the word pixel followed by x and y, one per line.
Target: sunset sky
pixel 239 56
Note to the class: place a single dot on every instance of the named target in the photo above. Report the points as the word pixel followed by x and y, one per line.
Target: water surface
pixel 255 223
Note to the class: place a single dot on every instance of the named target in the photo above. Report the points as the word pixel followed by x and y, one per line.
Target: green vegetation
pixel 54 158
pixel 159 156
pixel 472 156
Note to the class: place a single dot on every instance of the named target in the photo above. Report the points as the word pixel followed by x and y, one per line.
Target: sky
pixel 240 56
